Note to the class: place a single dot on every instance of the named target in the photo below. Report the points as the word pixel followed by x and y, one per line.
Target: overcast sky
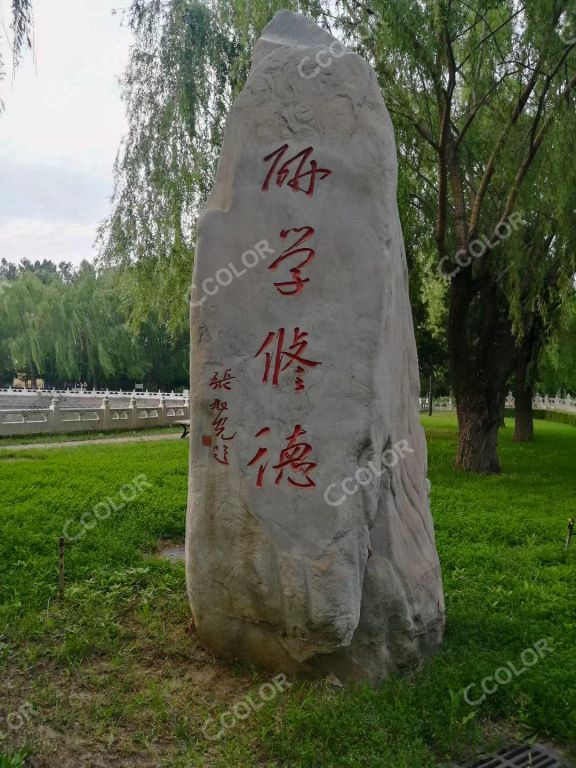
pixel 61 129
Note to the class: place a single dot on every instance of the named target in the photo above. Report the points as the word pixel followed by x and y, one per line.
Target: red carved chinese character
pixel 219 425
pixel 297 283
pixel 259 455
pixel 292 458
pixel 275 360
pixel 219 405
pixel 224 382
pixel 283 172
pixel 223 459
pixel 219 422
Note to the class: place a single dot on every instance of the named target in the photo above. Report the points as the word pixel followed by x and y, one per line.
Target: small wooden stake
pixel 569 532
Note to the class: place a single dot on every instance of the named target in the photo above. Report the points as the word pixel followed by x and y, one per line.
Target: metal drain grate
pixel 521 756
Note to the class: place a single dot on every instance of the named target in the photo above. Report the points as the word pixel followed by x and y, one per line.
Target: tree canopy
pixel 70 325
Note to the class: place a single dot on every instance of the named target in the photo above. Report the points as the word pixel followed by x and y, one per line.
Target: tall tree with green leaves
pixel 474 88
pixel 481 84
pixel 25 335
pixel 69 325
pixel 539 277
pixel 188 60
pixel 557 363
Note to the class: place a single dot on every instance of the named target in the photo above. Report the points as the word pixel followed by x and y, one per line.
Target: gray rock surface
pixel 304 371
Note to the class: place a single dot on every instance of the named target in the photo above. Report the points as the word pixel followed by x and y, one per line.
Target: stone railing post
pixel 162 410
pixel 539 401
pixel 54 416
pixel 133 412
pixel 106 416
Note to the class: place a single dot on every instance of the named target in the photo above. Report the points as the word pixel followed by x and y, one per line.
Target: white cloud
pixel 38 239
pixel 62 126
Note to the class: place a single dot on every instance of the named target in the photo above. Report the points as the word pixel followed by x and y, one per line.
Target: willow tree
pixel 539 275
pixel 557 363
pixel 481 85
pixel 475 86
pixel 427 287
pixel 71 325
pixel 165 162
pixel 188 60
pixel 25 337
pixel 21 37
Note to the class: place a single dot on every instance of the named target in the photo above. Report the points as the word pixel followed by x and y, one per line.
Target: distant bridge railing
pixel 95 410
pixel 545 403
pixel 85 392
pixel 539 403
pixel 131 411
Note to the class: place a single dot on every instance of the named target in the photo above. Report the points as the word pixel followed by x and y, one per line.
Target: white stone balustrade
pixel 145 410
pixel 84 392
pixel 539 403
pixel 141 412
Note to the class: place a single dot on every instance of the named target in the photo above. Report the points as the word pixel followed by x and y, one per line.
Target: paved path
pixel 80 443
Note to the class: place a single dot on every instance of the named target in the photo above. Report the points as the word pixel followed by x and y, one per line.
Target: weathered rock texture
pixel 279 572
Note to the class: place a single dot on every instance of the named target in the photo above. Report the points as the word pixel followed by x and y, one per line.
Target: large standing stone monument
pixel 310 545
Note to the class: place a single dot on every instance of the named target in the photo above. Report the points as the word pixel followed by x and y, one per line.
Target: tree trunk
pixel 479 339
pixel 523 394
pixel 479 332
pixel 478 421
pixel 524 424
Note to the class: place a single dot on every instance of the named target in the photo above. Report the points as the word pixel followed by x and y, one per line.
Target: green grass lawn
pixel 115 675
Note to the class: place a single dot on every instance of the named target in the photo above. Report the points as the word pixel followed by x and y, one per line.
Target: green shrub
pixel 558 416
